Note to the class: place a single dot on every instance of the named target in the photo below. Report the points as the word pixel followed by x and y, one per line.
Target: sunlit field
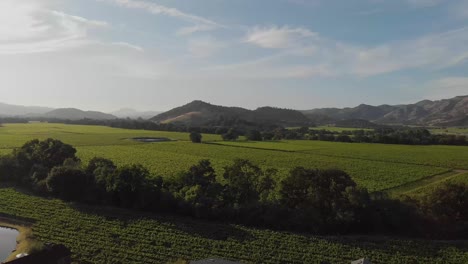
pixel 374 166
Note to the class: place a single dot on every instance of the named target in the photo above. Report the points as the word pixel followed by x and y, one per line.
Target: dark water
pixel 7 242
pixel 151 140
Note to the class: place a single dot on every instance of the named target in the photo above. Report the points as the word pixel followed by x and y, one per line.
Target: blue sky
pixel 301 54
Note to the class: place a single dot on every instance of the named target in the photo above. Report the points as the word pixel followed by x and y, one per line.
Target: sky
pixel 301 54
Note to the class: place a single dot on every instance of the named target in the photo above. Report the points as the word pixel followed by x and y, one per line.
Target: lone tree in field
pixel 196 137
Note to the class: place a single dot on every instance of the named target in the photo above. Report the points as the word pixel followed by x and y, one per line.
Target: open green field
pixel 110 235
pixel 463 131
pixel 98 235
pixel 374 166
pixel 335 128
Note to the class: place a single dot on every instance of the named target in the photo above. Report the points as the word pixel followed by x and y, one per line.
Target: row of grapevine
pixel 109 235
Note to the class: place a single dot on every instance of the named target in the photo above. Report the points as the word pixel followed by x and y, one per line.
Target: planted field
pixel 462 131
pixel 374 166
pixel 168 158
pixel 441 156
pixel 97 235
pixel 15 135
pixel 456 177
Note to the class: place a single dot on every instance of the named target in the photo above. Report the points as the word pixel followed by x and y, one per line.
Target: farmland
pixel 111 235
pixel 97 235
pixel 374 166
pixel 462 131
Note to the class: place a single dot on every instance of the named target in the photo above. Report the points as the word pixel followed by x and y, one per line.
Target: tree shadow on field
pixel 191 226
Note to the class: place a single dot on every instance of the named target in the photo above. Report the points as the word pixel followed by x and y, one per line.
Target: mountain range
pixel 446 112
pixel 77 114
pixel 452 112
pixel 18 110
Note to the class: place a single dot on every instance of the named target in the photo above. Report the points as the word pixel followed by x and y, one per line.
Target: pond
pixel 7 242
pixel 151 139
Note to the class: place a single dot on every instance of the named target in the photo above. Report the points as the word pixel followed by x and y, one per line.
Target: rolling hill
pixel 77 114
pixel 134 114
pixel 452 112
pixel 19 110
pixel 200 113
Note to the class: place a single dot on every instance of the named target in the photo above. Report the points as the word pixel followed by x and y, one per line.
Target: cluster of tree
pixel 311 200
pixel 12 120
pixel 406 136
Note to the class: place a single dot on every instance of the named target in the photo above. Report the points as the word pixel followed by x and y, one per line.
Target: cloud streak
pixel 277 37
pixel 199 23
pixel 29 27
pixel 433 51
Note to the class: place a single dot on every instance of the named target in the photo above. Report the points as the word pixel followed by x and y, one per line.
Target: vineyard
pixel 98 235
pixel 374 166
pixel 110 235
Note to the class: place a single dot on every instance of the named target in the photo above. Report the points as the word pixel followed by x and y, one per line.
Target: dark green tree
pixel 196 137
pixel 127 184
pixel 231 135
pixel 198 187
pixel 48 153
pixel 254 135
pixel 247 183
pixel 67 183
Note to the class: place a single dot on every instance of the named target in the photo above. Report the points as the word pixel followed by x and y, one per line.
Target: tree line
pixel 306 200
pixel 232 130
pixel 402 135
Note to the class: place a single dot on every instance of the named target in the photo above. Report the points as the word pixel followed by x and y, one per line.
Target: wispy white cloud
pixel 30 27
pixel 435 51
pixel 277 37
pixel 199 23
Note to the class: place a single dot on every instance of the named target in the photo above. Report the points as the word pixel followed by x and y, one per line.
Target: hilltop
pixel 77 114
pixel 203 113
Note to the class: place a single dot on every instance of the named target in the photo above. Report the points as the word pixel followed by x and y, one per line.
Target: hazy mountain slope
pixel 205 113
pixel 18 110
pixel 134 114
pixel 448 111
pixel 77 114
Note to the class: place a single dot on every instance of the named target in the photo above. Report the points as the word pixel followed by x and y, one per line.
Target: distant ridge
pixel 18 110
pixel 446 112
pixel 77 114
pixel 453 112
pixel 134 114
pixel 202 113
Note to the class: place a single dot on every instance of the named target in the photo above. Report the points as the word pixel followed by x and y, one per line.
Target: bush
pixel 196 137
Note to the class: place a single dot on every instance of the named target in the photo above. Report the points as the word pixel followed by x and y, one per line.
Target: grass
pixel 451 157
pixel 15 135
pixel 462 131
pixel 422 190
pixel 374 166
pixel 111 235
